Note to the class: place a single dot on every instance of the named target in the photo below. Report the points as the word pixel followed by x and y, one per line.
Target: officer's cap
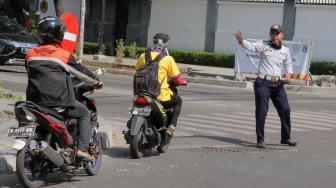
pixel 276 27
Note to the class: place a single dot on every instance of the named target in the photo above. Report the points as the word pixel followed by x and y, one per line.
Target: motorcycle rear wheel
pixel 25 162
pixel 137 148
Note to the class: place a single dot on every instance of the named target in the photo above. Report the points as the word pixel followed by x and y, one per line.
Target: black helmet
pixel 50 30
pixel 160 40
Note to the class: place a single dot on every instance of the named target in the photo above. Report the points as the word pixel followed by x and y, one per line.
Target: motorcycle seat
pixel 55 112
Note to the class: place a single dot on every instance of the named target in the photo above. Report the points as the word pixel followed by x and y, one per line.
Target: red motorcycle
pixel 47 142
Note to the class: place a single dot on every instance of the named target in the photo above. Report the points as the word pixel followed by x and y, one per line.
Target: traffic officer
pixel 273 56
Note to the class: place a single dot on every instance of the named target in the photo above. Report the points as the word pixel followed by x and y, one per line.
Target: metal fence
pixel 307 2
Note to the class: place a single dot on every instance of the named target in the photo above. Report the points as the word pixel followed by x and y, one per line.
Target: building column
pixel 211 25
pixel 288 20
pixel 138 22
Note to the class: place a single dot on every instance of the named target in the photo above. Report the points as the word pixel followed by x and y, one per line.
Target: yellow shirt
pixel 167 68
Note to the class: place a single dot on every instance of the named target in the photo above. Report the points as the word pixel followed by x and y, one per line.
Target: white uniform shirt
pixel 271 60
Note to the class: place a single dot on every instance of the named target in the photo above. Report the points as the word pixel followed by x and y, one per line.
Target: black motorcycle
pixel 147 125
pixel 47 142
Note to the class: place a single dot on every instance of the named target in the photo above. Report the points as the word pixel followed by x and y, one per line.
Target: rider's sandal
pixel 84 156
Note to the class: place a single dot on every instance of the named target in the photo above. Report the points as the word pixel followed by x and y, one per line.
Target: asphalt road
pixel 213 144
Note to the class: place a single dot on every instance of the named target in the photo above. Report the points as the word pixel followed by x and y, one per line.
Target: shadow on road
pixel 11 180
pixel 4 166
pixel 234 141
pixel 124 153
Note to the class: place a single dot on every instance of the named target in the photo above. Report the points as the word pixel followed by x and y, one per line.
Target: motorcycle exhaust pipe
pixel 152 136
pixel 50 153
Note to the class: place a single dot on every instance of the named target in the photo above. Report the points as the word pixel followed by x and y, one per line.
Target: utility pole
pixel 81 30
pixel 211 25
pixel 288 22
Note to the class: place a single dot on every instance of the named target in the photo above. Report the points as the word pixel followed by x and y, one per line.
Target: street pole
pixel 81 30
pixel 101 31
pixel 288 20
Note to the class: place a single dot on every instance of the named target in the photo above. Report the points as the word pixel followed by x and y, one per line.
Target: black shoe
pixel 288 142
pixel 261 145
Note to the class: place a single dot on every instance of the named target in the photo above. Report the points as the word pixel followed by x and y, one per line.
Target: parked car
pixel 15 41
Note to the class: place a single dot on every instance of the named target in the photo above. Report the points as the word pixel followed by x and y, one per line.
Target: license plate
pixel 22 131
pixel 141 111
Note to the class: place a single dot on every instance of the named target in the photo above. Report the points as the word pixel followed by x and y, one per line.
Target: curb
pixel 311 89
pixel 227 83
pixel 210 81
pixel 2 69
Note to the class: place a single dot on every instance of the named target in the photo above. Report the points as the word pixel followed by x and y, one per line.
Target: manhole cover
pixel 233 149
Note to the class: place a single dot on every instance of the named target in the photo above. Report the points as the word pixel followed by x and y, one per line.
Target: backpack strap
pixel 148 58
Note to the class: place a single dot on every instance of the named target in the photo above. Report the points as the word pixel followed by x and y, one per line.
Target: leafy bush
pixel 120 50
pixel 134 52
pixel 324 67
pixel 194 57
pixel 6 94
pixel 92 48
pixel 203 58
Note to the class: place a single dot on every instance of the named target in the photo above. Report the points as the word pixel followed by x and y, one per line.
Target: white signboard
pixel 248 62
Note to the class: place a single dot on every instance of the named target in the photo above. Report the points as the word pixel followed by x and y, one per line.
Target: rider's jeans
pixel 175 103
pixel 81 113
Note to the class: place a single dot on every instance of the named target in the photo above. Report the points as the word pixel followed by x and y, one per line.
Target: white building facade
pixel 185 21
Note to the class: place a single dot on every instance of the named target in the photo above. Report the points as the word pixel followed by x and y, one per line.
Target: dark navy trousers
pixel 264 90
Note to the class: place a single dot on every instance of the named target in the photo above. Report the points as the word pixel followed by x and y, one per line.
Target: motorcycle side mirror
pixel 188 70
pixel 100 71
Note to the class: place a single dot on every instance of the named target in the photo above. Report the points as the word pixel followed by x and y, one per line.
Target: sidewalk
pixel 205 75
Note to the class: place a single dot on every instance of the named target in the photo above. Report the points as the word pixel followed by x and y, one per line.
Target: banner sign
pixel 248 62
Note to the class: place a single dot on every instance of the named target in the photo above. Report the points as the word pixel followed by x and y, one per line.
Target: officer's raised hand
pixel 239 36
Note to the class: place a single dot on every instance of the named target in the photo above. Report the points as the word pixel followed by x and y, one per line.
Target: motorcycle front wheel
pixel 92 168
pixel 137 148
pixel 29 168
